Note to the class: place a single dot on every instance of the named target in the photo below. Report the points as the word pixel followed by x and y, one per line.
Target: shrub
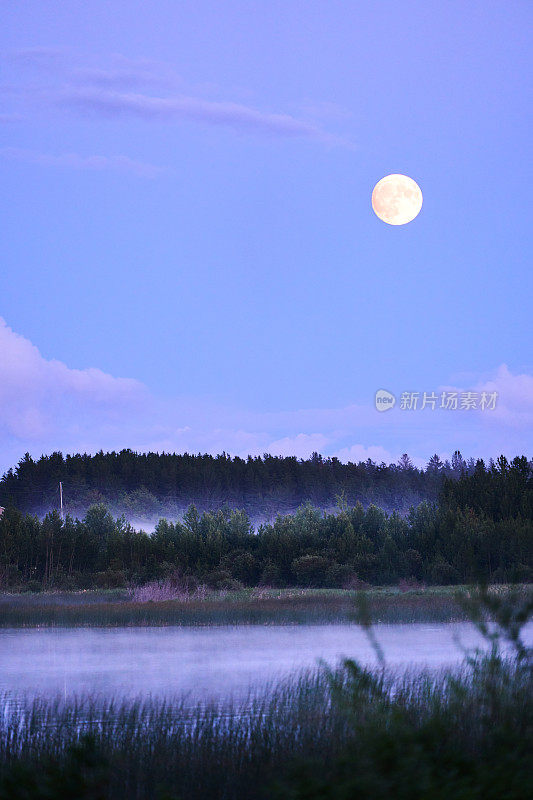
pixel 337 575
pixel 33 586
pixel 310 570
pixel 442 572
pixel 222 579
pixel 413 562
pixel 82 774
pixel 242 566
pixel 271 575
pixel 111 579
pixel 66 583
pixel 175 587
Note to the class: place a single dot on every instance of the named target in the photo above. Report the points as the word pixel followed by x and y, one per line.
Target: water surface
pixel 216 662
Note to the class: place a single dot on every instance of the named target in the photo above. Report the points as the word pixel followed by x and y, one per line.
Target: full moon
pixel 396 199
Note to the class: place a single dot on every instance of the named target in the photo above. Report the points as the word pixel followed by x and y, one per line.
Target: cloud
pixel 118 72
pixel 302 445
pixel 118 79
pixel 514 406
pixel 183 107
pixel 358 452
pixel 119 87
pixel 126 74
pixel 78 162
pixel 46 405
pixel 40 397
pixel 514 397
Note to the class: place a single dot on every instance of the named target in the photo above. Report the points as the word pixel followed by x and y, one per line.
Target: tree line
pixel 481 529
pixel 163 483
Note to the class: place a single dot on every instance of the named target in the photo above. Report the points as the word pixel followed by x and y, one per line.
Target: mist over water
pixel 211 663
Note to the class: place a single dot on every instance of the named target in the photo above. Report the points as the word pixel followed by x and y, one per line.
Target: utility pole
pixel 61 500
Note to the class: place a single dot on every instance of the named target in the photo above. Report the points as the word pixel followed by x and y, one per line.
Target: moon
pixel 396 199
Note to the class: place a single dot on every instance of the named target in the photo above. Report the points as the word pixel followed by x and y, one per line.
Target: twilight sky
pixel 189 258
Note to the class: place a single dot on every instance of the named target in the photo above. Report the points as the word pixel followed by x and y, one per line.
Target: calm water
pixel 207 662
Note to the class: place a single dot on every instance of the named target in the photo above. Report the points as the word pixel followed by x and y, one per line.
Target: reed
pixel 307 738
pixel 160 605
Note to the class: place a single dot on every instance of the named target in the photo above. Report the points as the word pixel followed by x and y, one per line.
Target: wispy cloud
pixel 116 79
pixel 119 87
pixel 122 74
pixel 78 162
pixel 183 107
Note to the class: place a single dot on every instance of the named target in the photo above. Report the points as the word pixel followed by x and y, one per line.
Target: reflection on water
pixel 208 662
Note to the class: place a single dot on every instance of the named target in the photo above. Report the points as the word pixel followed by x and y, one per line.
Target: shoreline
pixel 244 607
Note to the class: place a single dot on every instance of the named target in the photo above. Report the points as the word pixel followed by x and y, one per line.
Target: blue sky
pixel 189 256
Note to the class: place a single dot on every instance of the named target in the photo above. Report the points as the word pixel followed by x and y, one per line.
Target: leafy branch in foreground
pixel 451 737
pixel 499 616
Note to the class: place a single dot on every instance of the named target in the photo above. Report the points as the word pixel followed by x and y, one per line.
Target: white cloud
pixel 40 397
pixel 45 405
pixel 515 398
pixel 358 452
pixel 302 445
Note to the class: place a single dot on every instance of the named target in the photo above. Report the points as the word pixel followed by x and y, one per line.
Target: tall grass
pixel 264 606
pixel 210 751
pixel 353 733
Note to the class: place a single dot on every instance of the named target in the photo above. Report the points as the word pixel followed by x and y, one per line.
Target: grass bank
pixel 244 607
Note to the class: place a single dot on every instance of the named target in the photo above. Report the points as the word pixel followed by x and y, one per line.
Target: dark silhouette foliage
pixel 151 483
pixel 481 529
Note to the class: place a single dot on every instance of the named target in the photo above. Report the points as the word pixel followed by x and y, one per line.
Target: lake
pixel 208 662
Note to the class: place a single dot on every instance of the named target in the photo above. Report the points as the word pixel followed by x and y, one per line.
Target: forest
pixel 479 529
pixel 162 484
